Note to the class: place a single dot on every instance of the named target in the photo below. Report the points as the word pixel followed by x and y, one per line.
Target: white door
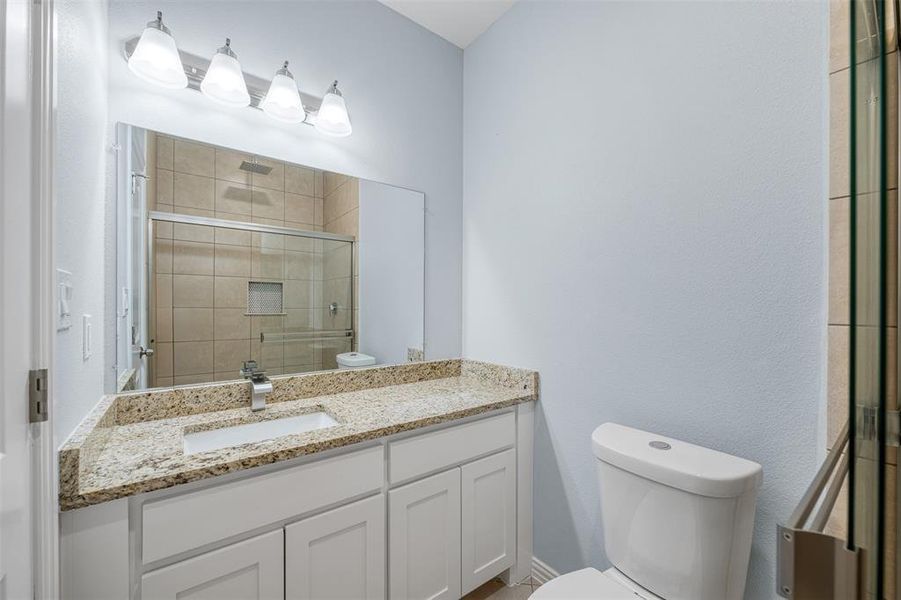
pixel 488 508
pixel 17 305
pixel 250 570
pixel 338 555
pixel 424 539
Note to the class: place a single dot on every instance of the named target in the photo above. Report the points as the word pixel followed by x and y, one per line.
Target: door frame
pixel 44 455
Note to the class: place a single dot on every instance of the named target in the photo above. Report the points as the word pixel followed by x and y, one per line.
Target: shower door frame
pixel 170 217
pixel 871 433
pixel 893 418
pixel 807 554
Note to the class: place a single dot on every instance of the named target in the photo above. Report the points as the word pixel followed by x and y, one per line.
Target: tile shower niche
pixel 265 298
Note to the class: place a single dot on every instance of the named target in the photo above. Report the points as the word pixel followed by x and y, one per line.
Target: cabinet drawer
pixel 188 521
pixel 430 452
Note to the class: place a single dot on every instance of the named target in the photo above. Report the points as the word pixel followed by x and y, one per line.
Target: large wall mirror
pixel 224 257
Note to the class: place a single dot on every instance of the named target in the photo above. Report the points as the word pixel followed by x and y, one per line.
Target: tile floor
pixel 498 590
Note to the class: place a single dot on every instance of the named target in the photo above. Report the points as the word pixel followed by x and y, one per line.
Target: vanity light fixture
pixel 224 81
pixel 333 118
pixel 282 101
pixel 155 58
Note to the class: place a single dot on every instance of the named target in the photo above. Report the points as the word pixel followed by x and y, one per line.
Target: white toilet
pixel 677 521
pixel 354 360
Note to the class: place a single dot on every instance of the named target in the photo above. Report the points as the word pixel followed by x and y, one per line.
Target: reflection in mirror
pixel 225 257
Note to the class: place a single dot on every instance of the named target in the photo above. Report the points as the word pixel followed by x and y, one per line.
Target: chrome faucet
pixel 259 384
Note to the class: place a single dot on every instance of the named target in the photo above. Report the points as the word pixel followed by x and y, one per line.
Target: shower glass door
pixel 870 320
pixel 241 291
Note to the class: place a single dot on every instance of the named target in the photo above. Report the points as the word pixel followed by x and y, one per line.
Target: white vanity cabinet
pixel 248 570
pixel 427 514
pixel 338 554
pixel 454 531
pixel 488 518
pixel 424 542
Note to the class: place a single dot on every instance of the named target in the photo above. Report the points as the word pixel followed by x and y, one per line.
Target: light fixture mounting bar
pixel 196 67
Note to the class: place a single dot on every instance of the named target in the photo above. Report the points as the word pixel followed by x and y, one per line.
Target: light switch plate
pixel 64 291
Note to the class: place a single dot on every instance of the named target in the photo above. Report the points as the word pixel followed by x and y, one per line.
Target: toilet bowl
pixel 677 521
pixel 591 584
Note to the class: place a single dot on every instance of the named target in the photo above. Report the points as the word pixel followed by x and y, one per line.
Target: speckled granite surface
pixel 133 443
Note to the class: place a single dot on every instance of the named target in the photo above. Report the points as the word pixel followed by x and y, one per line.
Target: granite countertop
pixel 134 443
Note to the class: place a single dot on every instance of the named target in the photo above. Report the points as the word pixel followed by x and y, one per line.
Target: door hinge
pixel 38 407
pixel 893 427
pixel 867 424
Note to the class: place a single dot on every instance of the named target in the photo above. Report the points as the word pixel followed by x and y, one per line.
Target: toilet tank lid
pixel 355 359
pixel 675 463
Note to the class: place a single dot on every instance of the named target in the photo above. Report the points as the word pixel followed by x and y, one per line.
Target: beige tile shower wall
pixel 201 273
pixel 839 255
pixel 341 214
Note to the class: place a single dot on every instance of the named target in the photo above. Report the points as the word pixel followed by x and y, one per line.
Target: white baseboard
pixel 542 572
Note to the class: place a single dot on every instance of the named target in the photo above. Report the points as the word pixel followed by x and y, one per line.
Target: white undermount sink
pixel 225 437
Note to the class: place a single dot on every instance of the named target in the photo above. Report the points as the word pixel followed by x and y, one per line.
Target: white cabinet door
pixel 338 554
pixel 250 570
pixel 488 500
pixel 424 539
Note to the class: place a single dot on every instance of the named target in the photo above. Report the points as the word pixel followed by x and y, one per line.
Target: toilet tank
pixel 677 518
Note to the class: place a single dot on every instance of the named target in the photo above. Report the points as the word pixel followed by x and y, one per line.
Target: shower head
pixel 254 167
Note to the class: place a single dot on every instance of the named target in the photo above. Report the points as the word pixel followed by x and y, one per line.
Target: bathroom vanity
pixel 409 481
pixel 403 481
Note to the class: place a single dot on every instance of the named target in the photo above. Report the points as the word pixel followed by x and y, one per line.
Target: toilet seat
pixel 591 584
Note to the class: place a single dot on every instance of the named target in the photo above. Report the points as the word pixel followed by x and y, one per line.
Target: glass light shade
pixel 224 81
pixel 282 101
pixel 155 58
pixel 332 118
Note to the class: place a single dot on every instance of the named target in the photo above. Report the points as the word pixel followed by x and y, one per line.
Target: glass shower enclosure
pixel 841 540
pixel 224 292
pixel 873 297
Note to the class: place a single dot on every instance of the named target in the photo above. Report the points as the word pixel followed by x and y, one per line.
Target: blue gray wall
pixel 82 212
pixel 644 222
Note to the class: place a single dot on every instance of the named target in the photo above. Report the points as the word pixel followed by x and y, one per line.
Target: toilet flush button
pixel 658 445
